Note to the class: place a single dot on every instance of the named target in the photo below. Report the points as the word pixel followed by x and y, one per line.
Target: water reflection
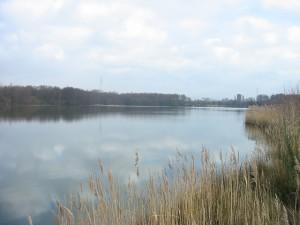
pixel 53 113
pixel 44 157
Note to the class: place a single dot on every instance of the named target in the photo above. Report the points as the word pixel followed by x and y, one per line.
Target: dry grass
pixel 279 126
pixel 262 116
pixel 228 192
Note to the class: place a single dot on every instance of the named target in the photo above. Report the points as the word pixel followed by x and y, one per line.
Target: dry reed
pixel 229 192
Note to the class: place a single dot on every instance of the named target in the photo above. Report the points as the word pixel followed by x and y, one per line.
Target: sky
pixel 200 48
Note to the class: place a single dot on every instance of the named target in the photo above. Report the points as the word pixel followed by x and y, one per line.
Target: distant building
pixel 262 98
pixel 239 98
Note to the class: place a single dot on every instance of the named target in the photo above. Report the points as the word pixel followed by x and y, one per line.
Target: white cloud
pixel 95 10
pixel 213 41
pixel 111 57
pixel 64 36
pixel 273 54
pixel 31 9
pixel 51 52
pixel 137 29
pixel 11 38
pixel 254 22
pixel 283 4
pixel 2 25
pixel 129 36
pixel 67 35
pixel 152 57
pixel 290 55
pixel 192 24
pixel 111 11
pixel 124 23
pixel 242 40
pixel 227 54
pixel 270 38
pixel 294 34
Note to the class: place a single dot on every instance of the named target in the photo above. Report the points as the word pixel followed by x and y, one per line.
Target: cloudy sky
pixel 201 48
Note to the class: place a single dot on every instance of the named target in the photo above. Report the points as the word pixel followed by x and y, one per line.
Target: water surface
pixel 46 152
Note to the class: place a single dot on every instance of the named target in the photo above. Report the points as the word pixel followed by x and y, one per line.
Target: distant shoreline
pixel 14 96
pixel 133 106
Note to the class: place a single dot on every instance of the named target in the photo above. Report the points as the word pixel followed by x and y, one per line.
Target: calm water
pixel 46 152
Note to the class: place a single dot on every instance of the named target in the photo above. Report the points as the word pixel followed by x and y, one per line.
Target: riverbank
pixel 205 190
pixel 280 127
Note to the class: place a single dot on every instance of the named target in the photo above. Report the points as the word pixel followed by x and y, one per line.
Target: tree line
pixel 45 95
pixel 11 96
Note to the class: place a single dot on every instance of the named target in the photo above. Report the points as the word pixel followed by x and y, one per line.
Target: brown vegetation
pixel 216 193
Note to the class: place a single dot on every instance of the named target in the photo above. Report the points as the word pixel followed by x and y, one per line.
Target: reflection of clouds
pixel 8 164
pixel 58 149
pixel 50 154
pixel 53 158
pixel 168 143
pixel 18 204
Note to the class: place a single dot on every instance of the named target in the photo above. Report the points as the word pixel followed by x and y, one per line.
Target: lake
pixel 46 152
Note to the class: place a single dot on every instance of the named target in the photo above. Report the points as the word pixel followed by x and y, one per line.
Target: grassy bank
pixel 280 127
pixel 204 190
pixel 217 193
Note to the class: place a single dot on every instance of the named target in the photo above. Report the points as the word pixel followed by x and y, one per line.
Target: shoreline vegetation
pixel 263 190
pixel 14 96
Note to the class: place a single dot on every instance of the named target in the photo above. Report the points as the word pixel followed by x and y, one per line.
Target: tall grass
pixel 227 192
pixel 204 190
pixel 280 127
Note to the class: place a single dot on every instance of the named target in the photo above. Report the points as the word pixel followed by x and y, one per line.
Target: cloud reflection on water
pixel 42 160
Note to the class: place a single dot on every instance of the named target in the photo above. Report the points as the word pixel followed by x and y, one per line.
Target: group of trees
pixel 223 103
pixel 45 95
